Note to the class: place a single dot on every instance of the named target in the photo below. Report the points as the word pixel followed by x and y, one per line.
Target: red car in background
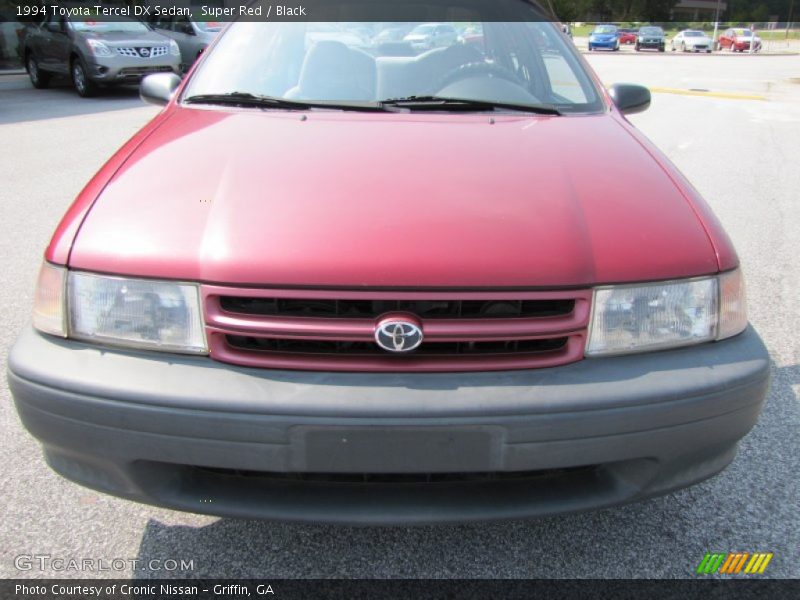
pixel 738 39
pixel 627 36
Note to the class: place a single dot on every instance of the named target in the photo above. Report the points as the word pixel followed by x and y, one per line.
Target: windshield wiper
pixel 247 99
pixel 465 104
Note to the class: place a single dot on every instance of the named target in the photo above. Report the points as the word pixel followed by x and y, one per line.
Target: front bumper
pixel 128 69
pixel 603 44
pixel 197 435
pixel 651 44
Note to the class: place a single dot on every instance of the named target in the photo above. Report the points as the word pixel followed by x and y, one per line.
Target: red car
pixel 627 36
pixel 739 39
pixel 327 285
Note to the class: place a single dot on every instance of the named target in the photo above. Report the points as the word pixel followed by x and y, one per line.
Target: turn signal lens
pixel 48 305
pixel 732 305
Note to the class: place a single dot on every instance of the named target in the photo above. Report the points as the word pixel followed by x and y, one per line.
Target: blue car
pixel 604 36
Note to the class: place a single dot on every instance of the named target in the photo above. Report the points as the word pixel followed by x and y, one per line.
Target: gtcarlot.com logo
pixel 47 562
pixel 734 563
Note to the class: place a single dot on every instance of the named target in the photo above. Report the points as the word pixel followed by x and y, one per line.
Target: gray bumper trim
pixel 137 425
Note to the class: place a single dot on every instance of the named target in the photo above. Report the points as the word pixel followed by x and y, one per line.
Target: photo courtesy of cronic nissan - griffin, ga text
pixel 344 277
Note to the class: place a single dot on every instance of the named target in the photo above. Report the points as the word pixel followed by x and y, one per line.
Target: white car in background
pixel 692 40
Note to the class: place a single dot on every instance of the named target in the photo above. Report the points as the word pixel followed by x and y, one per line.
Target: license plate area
pixel 396 449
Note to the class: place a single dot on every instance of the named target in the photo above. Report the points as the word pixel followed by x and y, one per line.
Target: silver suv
pixel 96 52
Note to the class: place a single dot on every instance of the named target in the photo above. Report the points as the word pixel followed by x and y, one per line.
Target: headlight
pixel 637 318
pixel 173 48
pixel 138 313
pixel 98 48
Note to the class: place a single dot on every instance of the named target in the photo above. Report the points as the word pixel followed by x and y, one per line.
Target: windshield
pixel 121 25
pixel 742 32
pixel 521 63
pixel 651 31
pixel 693 34
pixel 605 29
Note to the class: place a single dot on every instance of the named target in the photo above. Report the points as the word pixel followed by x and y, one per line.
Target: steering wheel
pixel 477 68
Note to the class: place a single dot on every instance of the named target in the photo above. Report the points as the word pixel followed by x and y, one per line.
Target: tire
pixel 708 51
pixel 662 48
pixel 683 46
pixel 85 87
pixel 637 47
pixel 39 79
pixel 616 48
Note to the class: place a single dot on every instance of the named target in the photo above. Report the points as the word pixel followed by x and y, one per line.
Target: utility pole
pixel 789 20
pixel 716 26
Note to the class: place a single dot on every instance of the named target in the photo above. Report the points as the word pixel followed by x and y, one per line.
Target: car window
pixel 517 62
pixel 120 24
pixel 605 29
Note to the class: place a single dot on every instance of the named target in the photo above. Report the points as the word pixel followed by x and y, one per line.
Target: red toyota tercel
pixel 336 281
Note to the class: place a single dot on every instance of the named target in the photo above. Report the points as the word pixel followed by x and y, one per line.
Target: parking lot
pixel 730 123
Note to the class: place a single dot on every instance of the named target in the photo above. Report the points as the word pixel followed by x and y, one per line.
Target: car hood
pixel 408 200
pixel 122 38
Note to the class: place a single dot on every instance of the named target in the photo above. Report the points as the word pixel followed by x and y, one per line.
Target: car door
pixel 183 33
pixel 52 44
pixel 61 46
pixel 724 39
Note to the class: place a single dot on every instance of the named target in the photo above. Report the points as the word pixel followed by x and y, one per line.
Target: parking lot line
pixel 708 93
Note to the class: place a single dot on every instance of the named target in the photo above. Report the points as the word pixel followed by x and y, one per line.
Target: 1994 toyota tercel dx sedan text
pixel 390 287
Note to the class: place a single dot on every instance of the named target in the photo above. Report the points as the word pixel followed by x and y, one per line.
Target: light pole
pixel 716 25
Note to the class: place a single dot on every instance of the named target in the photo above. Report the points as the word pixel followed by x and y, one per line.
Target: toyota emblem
pixel 398 335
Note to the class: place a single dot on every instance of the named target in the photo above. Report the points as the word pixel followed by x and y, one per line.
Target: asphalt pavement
pixel 731 124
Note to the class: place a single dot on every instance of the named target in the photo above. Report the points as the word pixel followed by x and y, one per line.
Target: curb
pixel 12 72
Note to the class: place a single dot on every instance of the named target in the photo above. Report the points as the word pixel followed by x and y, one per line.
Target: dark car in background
pixel 192 36
pixel 96 53
pixel 651 38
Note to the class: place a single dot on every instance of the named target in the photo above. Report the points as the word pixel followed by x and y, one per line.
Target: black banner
pixel 335 589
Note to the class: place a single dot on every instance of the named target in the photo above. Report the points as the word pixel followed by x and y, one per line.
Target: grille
pixel 426 309
pixel 335 331
pixel 402 478
pixel 368 348
pixel 141 71
pixel 149 52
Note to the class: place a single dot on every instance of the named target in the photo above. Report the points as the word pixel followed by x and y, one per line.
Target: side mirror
pixel 630 98
pixel 158 88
